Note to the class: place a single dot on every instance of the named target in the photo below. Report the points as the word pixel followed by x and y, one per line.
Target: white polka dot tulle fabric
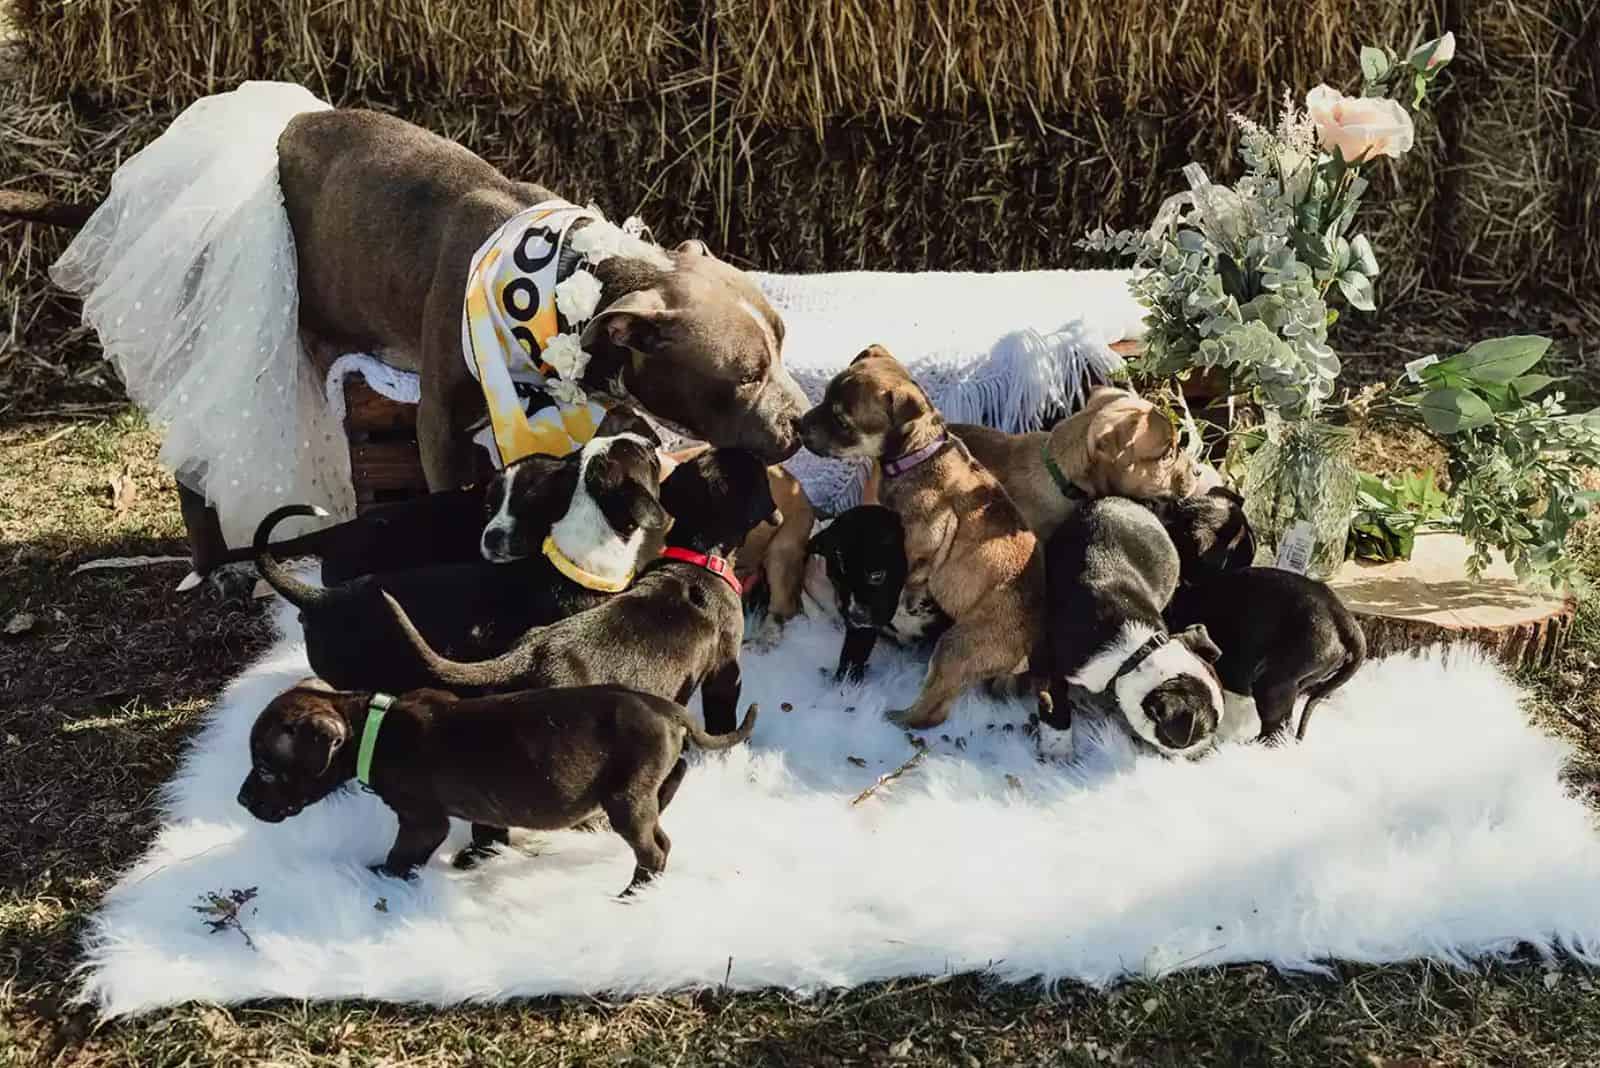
pixel 187 272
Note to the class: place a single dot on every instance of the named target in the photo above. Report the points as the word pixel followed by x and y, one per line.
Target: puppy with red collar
pixel 677 627
pixel 612 519
pixel 548 760
pixel 1111 571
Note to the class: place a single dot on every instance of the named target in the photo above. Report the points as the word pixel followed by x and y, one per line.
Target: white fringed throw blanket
pixel 1002 349
pixel 1423 817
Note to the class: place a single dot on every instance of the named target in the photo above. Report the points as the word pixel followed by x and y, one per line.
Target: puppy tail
pixel 453 674
pixel 702 740
pixel 297 593
pixel 1355 654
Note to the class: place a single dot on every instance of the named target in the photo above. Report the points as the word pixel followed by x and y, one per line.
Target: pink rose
pixel 1361 128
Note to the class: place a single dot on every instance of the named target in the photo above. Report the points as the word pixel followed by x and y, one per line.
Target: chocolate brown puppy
pixel 679 625
pixel 967 546
pixel 547 760
pixel 1118 444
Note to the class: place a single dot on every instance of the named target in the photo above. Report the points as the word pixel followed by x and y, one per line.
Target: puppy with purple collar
pixel 1110 571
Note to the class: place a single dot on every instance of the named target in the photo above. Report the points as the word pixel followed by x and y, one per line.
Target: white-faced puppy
pixel 1117 444
pixel 1283 636
pixel 966 545
pixel 612 518
pixel 1111 570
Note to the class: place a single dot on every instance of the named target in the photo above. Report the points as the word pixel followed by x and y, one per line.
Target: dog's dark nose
pixel 495 542
pixel 1178 729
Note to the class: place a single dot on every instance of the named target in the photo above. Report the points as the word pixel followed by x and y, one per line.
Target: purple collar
pixel 901 464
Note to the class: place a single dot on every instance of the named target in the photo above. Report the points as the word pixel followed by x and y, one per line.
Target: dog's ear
pixel 632 321
pixel 692 247
pixel 873 352
pixel 1199 642
pixel 622 419
pixel 308 743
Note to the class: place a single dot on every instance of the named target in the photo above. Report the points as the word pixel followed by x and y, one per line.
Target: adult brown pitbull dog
pixel 966 544
pixel 386 219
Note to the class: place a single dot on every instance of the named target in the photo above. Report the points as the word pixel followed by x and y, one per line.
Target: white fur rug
pixel 1422 818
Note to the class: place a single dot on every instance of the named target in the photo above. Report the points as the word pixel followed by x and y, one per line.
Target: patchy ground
pixel 108 672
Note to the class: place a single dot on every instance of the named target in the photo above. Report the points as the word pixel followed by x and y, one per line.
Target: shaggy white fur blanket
pixel 1423 817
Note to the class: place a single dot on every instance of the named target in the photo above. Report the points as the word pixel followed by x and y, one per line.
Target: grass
pixel 102 692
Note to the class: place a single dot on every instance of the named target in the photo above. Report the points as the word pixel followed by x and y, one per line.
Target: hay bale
pixel 171 52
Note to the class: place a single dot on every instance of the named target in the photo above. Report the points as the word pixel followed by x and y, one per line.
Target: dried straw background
pixel 818 134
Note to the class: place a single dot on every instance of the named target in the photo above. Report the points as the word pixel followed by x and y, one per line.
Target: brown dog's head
pixel 695 342
pixel 872 408
pixel 297 752
pixel 1119 444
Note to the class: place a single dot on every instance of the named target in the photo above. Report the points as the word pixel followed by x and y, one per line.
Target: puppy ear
pixel 622 419
pixel 309 742
pixel 646 512
pixel 872 352
pixel 692 247
pixel 1199 642
pixel 632 321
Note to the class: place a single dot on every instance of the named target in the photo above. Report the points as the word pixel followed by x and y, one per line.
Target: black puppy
pixel 679 625
pixel 1209 530
pixel 480 609
pixel 547 760
pixel 507 519
pixel 1283 636
pixel 1110 570
pixel 862 555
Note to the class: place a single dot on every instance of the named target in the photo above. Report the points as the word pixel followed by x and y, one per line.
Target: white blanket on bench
pixel 1003 349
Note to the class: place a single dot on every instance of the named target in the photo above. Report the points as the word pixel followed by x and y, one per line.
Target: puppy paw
pixel 903 717
pixel 766 634
pixel 407 874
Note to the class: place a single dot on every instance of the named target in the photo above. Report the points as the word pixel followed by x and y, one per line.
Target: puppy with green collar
pixel 547 760
pixel 1111 570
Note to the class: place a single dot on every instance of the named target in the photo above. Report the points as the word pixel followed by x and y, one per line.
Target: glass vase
pixel 1300 494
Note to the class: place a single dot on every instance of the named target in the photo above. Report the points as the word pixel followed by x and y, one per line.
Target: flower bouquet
pixel 1244 280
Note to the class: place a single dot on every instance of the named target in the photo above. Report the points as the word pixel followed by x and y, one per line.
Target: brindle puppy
pixel 967 546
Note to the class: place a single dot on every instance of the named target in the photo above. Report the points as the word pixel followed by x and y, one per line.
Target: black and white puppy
pixel 1283 636
pixel 1110 570
pixel 449 527
pixel 612 519
pixel 856 570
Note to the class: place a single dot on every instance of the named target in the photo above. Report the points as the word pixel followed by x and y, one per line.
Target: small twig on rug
pixel 224 911
pixel 890 776
pixel 57 436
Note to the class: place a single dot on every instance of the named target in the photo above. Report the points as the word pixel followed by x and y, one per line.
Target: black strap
pixel 1105 700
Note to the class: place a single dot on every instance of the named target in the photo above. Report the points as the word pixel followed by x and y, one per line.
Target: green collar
pixel 1063 483
pixel 369 736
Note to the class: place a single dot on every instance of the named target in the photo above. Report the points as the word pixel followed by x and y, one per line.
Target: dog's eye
pixel 839 412
pixel 876 578
pixel 266 775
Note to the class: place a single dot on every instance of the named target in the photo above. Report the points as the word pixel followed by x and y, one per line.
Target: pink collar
pixel 714 564
pixel 901 464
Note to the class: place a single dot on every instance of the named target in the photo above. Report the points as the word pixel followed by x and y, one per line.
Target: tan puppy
pixel 775 553
pixel 1117 445
pixel 966 544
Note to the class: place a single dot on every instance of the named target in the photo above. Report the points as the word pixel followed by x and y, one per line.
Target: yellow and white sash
pixel 508 319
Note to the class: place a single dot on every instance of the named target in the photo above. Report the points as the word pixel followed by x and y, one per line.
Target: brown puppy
pixel 967 546
pixel 547 760
pixel 776 554
pixel 1117 445
pixel 679 625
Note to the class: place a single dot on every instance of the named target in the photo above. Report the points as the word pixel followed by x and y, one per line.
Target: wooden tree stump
pixel 1430 598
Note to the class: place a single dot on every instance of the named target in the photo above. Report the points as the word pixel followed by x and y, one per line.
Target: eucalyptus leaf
pixel 1357 289
pixel 1450 411
pixel 1365 259
pixel 1374 64
pixel 1500 359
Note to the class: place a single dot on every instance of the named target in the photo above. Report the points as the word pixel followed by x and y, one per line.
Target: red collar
pixel 714 564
